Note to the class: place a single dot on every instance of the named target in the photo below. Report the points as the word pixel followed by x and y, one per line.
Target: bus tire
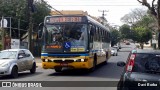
pixel 106 62
pixel 94 63
pixel 58 69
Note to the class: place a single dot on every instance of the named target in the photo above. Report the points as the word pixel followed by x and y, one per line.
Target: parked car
pixel 101 52
pixel 114 51
pixel 142 70
pixel 116 47
pixel 13 61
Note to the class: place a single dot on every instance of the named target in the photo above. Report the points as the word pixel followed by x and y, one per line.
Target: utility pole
pixel 30 13
pixel 103 14
pixel 3 33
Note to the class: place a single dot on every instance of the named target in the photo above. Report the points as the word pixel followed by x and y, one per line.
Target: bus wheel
pixel 94 63
pixel 58 69
pixel 106 62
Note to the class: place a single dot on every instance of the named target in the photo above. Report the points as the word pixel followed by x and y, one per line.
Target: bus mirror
pixel 41 25
pixel 39 34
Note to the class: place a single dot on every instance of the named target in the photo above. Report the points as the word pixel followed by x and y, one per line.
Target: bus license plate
pixel 64 64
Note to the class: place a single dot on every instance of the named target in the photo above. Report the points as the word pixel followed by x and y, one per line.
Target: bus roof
pixel 90 20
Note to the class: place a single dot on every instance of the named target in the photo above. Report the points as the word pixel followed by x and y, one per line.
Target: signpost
pixel 15 43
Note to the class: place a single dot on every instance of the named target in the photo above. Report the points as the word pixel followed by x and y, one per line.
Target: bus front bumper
pixel 73 65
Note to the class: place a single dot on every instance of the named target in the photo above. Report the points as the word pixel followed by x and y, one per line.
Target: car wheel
pixel 33 69
pixel 14 72
pixel 58 69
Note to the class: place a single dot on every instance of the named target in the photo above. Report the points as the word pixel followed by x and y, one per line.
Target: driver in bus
pixel 56 35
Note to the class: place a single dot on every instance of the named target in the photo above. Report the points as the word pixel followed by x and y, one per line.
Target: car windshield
pixel 8 54
pixel 147 63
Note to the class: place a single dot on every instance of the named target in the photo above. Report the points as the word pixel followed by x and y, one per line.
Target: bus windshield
pixel 70 37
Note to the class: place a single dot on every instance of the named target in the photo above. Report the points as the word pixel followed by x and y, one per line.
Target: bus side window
pixel 92 31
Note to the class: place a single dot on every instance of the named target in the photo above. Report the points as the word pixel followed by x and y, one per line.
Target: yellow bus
pixel 73 42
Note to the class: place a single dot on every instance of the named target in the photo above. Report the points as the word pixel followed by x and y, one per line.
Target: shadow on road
pixel 21 75
pixel 111 70
pixel 102 71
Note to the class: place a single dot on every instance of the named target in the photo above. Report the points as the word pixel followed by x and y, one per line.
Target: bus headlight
pixel 46 60
pixel 82 60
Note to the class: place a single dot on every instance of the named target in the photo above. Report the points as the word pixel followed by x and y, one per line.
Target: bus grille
pixel 66 61
pixel 65 56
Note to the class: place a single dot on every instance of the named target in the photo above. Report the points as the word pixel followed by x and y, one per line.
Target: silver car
pixel 13 61
pixel 114 52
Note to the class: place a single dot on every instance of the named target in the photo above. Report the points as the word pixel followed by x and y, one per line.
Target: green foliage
pixel 125 31
pixel 42 9
pixel 115 37
pixel 142 34
pixel 18 10
pixel 146 22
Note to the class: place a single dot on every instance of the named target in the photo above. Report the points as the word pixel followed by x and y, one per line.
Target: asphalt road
pixel 104 75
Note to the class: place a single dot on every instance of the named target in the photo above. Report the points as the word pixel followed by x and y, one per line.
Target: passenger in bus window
pixel 83 39
pixel 83 34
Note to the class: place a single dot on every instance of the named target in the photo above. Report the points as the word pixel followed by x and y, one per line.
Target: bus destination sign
pixel 64 19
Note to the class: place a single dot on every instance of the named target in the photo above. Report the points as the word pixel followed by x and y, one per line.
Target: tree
pixel 155 11
pixel 18 10
pixel 125 31
pixel 134 16
pixel 115 37
pixel 42 9
pixel 141 35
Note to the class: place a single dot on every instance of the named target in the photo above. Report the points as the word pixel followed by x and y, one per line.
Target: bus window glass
pixel 69 36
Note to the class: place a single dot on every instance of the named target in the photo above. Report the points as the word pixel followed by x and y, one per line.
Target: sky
pixel 114 9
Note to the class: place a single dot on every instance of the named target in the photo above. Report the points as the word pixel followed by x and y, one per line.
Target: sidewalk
pixel 145 46
pixel 148 47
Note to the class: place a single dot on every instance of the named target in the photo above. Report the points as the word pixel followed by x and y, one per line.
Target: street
pixel 109 73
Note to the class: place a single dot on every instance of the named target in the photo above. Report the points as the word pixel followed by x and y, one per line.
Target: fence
pixel 18 29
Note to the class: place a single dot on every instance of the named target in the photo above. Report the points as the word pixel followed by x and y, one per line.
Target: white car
pixel 13 61
pixel 114 52
pixel 101 52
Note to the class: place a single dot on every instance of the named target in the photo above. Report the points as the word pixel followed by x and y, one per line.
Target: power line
pixel 103 11
pixel 57 11
pixel 97 5
pixel 95 2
